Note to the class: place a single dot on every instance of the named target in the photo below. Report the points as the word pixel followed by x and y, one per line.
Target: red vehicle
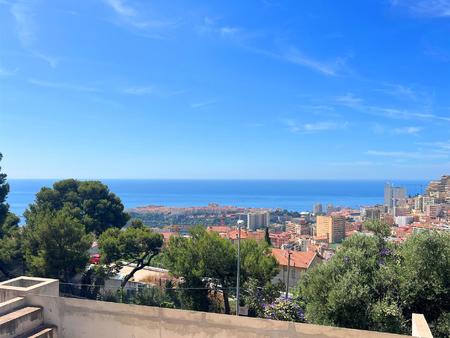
pixel 94 259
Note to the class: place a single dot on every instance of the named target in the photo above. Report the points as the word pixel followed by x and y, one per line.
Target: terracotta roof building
pixel 300 262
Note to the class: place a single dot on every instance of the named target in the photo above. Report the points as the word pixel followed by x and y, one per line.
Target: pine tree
pixel 10 253
pixel 4 190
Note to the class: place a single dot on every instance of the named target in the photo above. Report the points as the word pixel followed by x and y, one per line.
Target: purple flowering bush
pixel 284 309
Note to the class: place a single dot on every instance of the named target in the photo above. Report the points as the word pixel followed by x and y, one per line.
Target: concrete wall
pixel 294 276
pixel 420 326
pixel 22 286
pixel 79 318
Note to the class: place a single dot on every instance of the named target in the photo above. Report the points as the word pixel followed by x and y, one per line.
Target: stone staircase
pixel 17 320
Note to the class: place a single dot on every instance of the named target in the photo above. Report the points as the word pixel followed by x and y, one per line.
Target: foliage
pixel 136 244
pixel 204 257
pixel 424 274
pixel 267 237
pixel 55 245
pixel 193 295
pixel 210 261
pixel 255 295
pixel 153 297
pixel 340 292
pixel 229 218
pixel 374 285
pixel 258 267
pixel 386 315
pixel 257 262
pixel 4 190
pixel 110 296
pixel 441 327
pixel 10 236
pixel 93 281
pixel 161 219
pixel 284 213
pixel 90 202
pixel 11 256
pixel 284 309
pixel 380 229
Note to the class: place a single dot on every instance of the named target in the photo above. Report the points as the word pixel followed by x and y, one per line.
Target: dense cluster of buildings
pixel 305 239
pixel 314 236
pixel 410 214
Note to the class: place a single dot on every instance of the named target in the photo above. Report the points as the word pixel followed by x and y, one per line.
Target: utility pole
pixel 288 273
pixel 239 223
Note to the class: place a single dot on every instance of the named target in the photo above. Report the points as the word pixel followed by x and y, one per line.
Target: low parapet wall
pixel 420 326
pixel 79 318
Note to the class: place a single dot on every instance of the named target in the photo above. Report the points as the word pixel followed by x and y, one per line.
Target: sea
pixel 293 195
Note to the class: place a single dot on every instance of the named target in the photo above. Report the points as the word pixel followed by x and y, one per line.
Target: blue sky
pixel 225 89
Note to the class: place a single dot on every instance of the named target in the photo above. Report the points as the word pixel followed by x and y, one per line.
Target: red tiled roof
pixel 219 229
pixel 233 234
pixel 299 259
pixel 283 235
pixel 256 235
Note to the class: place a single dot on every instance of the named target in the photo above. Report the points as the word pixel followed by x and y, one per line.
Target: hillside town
pixel 79 240
pixel 306 239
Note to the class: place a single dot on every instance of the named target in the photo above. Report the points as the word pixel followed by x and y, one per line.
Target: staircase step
pixel 11 305
pixel 20 321
pixel 43 331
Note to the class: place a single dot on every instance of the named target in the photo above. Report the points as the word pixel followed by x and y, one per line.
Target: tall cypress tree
pixel 267 237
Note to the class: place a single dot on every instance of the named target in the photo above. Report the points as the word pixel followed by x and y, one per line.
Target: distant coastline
pixel 294 195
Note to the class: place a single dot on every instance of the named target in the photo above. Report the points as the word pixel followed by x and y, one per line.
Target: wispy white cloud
pixel 349 100
pixel 129 16
pixel 428 8
pixel 325 111
pixel 399 91
pixel 357 164
pixel 328 68
pixel 288 53
pixel 404 114
pixel 26 28
pixel 62 85
pixel 437 145
pixel 407 130
pixel 381 129
pixel 406 154
pixel 227 30
pixel 318 107
pixel 291 54
pixel 145 90
pixel 153 90
pixel 357 103
pixel 121 8
pixel 298 128
pixel 212 26
pixel 204 104
pixel 52 61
